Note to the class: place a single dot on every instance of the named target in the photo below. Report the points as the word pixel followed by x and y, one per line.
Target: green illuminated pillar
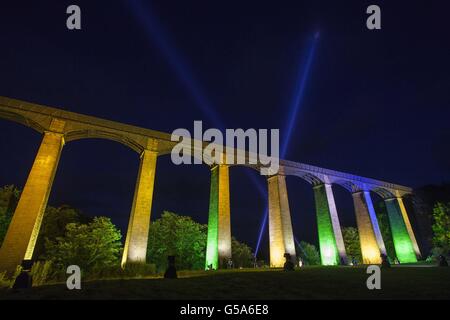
pixel 402 241
pixel 329 253
pixel 212 253
pixel 218 246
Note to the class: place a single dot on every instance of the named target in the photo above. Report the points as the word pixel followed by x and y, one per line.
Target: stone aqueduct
pixel 59 127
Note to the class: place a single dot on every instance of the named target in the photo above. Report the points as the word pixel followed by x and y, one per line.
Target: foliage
pixel 5 282
pixel 351 242
pixel 309 254
pixel 42 272
pixel 54 225
pixel 9 196
pixel 441 226
pixel 90 246
pixel 180 236
pixel 132 270
pixel 242 256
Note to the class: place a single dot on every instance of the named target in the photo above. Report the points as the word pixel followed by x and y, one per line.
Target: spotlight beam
pixel 302 76
pixel 156 34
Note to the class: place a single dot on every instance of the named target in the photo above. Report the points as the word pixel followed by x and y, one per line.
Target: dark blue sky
pixel 376 103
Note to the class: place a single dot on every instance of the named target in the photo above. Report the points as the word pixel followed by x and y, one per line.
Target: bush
pixel 43 272
pixel 309 254
pixel 132 270
pixel 4 281
pixel 436 252
pixel 7 282
pixel 91 246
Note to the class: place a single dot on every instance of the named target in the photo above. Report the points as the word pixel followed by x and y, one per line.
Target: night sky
pixel 375 103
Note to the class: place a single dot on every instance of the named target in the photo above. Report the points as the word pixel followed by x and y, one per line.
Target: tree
pixel 181 236
pixel 241 254
pixel 351 242
pixel 177 235
pixel 54 225
pixel 9 196
pixel 441 226
pixel 90 246
pixel 309 253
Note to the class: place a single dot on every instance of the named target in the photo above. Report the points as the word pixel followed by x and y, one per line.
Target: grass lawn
pixel 406 282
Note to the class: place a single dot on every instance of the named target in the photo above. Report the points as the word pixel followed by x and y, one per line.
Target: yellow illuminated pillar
pixel 281 236
pixel 375 225
pixel 23 231
pixel 135 249
pixel 369 245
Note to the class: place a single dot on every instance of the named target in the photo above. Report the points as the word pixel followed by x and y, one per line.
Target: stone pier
pixel 404 248
pixel 280 225
pixel 135 249
pixel 369 245
pixel 331 242
pixel 218 248
pixel 23 231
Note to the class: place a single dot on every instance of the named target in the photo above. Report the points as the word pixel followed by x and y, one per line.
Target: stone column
pixel 327 240
pixel 373 218
pixel 403 245
pixel 369 245
pixel 409 227
pixel 135 249
pixel 332 247
pixel 218 248
pixel 23 231
pixel 280 225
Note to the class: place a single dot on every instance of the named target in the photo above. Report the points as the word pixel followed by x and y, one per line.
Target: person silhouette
pixel 230 264
pixel 442 261
pixel 171 271
pixel 24 280
pixel 385 261
pixel 288 265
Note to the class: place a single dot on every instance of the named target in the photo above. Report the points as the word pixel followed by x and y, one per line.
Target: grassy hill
pixel 406 282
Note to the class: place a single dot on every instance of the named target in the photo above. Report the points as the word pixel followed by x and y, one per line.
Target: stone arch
pixel 307 176
pixel 21 119
pixel 348 185
pixel 99 134
pixel 383 192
